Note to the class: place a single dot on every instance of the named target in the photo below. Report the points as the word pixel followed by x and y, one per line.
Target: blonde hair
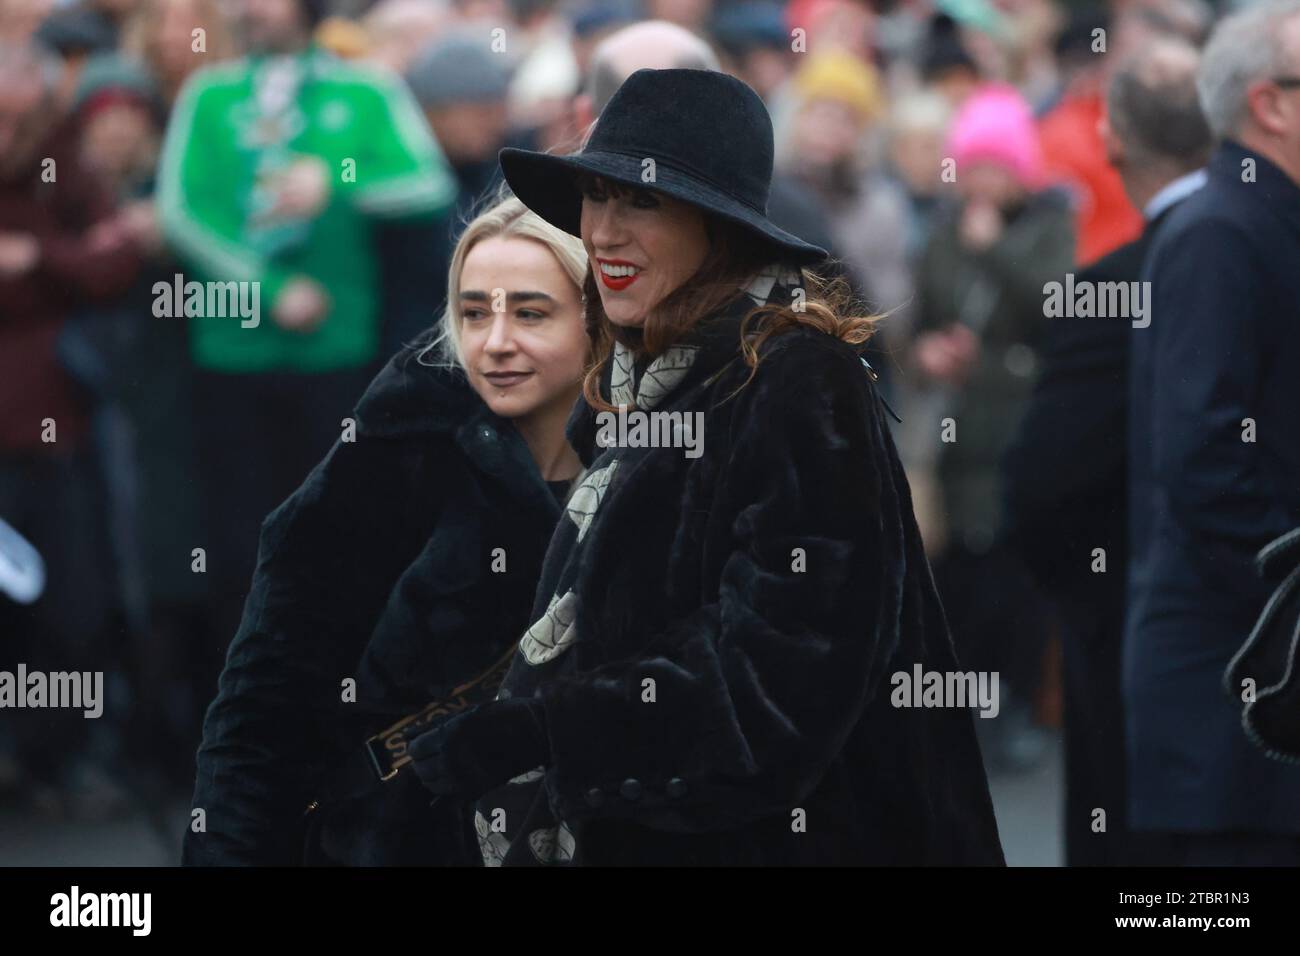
pixel 508 218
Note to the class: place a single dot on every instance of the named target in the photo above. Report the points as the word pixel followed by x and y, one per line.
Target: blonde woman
pixel 401 571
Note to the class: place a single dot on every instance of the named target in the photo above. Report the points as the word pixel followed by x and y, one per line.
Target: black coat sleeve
pixel 1064 472
pixel 756 691
pixel 1209 297
pixel 328 558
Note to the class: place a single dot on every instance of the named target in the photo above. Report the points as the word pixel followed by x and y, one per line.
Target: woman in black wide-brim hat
pixel 711 675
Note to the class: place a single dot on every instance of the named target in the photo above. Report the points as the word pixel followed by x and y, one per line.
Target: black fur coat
pixel 765 592
pixel 406 562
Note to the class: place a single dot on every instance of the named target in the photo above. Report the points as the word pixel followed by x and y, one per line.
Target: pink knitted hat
pixel 996 125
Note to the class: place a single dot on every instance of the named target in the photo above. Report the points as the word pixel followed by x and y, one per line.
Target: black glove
pixel 477 751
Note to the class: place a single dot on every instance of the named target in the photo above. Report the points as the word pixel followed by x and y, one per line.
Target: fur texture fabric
pixel 721 691
pixel 381 568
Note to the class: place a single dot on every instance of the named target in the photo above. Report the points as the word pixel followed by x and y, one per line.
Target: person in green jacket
pixel 277 171
pixel 272 168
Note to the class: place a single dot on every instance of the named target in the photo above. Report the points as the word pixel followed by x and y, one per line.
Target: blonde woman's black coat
pixel 406 562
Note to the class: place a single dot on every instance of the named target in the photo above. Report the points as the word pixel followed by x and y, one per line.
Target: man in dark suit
pixel 1065 473
pixel 1214 464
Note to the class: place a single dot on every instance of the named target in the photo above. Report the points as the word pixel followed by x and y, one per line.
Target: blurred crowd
pixel 955 156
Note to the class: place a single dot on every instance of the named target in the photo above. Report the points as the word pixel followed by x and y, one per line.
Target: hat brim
pixel 547 184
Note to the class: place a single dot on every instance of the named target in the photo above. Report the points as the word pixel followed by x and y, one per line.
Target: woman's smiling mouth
pixel 617 274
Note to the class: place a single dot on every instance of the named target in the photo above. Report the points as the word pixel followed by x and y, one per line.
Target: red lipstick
pixel 617 283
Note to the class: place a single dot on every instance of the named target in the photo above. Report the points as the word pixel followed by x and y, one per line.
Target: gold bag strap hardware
pixel 389 749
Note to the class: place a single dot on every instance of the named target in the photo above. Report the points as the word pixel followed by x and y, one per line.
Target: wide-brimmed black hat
pixel 711 141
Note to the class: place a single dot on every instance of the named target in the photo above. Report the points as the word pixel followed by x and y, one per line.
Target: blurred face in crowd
pixel 642 245
pixel 273 26
pixel 1277 108
pixel 1291 43
pixel 495 10
pixel 827 132
pixel 991 183
pixel 686 13
pixel 469 132
pixel 24 120
pixel 842 24
pixel 400 29
pixel 20 18
pixel 172 39
pixel 917 154
pixel 119 141
pixel 764 69
pixel 521 327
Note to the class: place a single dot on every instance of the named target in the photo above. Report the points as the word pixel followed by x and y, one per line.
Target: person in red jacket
pixel 1072 146
pixel 60 249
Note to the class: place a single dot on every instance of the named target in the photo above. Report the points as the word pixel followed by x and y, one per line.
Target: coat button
pixel 594 797
pixel 676 788
pixel 631 789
